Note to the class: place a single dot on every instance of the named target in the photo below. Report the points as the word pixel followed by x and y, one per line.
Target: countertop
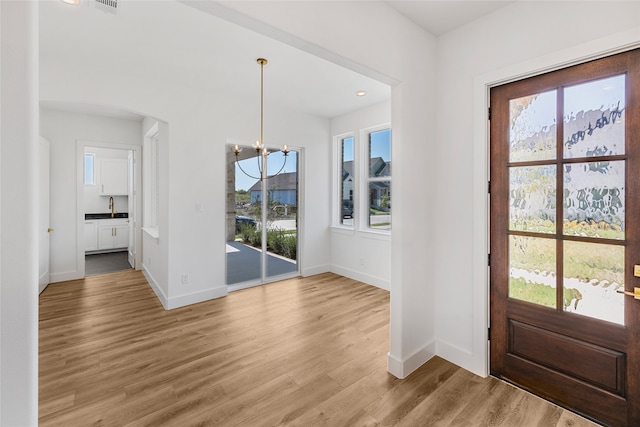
pixel 105 215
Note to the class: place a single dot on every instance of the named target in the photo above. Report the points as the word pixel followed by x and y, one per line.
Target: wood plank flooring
pixel 301 352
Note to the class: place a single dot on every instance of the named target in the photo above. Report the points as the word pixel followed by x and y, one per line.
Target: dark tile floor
pixel 105 263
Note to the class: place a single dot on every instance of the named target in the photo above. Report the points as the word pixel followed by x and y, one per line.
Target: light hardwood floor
pixel 301 352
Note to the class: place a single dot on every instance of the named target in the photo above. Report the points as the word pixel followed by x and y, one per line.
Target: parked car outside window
pixel 244 220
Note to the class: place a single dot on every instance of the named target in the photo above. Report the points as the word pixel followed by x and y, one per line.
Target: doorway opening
pixel 262 233
pixel 107 207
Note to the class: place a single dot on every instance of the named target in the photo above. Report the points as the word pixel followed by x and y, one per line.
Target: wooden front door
pixel 565 237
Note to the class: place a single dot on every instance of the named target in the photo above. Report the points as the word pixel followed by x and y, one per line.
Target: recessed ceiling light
pixel 361 93
pixel 71 1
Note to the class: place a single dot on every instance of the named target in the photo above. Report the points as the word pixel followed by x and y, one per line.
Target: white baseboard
pixel 361 277
pixel 463 358
pixel 312 271
pixel 154 285
pixel 65 276
pixel 182 300
pixel 196 297
pixel 402 368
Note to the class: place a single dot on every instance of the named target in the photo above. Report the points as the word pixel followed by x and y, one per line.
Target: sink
pixel 105 215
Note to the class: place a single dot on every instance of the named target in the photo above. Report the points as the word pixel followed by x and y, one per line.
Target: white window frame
pixel 151 209
pixel 337 198
pixel 361 180
pixel 366 180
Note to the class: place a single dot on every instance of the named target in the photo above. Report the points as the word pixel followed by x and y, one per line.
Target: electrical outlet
pixel 185 279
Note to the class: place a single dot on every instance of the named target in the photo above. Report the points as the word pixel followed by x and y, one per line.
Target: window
pixel 364 179
pixel 89 169
pixel 347 181
pixel 155 183
pixel 151 181
pixel 379 179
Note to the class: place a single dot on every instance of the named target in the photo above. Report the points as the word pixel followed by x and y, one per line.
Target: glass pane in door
pixel 594 199
pixel 593 273
pixel 243 218
pixel 282 214
pixel 532 270
pixel 594 118
pixel 532 130
pixel 532 198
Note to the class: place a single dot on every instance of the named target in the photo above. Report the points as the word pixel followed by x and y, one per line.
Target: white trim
pixel 195 297
pixel 312 271
pixel 182 300
pixel 154 285
pixel 65 276
pixel 151 232
pixel 361 277
pixel 300 154
pixel 478 360
pixel 81 145
pixel 402 368
pixel 336 200
pixel 363 214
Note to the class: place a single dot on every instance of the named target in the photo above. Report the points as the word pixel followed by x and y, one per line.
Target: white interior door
pixel 44 227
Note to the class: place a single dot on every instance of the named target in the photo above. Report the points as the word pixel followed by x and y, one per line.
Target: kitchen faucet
pixel 112 206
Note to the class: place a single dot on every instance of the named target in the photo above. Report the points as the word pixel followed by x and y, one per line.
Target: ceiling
pixel 204 53
pixel 440 17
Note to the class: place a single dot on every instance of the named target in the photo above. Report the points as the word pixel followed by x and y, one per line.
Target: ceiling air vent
pixel 108 5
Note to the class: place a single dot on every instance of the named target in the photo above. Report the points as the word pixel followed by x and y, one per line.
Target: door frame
pixel 264 278
pixel 81 145
pixel 44 212
pixel 478 359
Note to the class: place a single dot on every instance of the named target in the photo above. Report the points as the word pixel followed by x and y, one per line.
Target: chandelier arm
pixel 243 171
pixel 283 165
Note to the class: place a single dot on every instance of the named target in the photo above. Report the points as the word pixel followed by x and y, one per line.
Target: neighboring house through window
pixel 365 175
pixel 348 180
pixel 379 178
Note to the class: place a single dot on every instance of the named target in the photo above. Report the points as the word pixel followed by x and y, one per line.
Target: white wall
pixel 18 214
pixel 541 36
pixel 440 271
pixel 345 32
pixel 199 125
pixel 155 251
pixel 404 53
pixel 355 252
pixel 63 129
pixel 93 201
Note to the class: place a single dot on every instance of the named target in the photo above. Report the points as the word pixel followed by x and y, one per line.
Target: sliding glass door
pixel 262 217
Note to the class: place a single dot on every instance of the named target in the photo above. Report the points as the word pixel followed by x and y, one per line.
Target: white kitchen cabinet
pixel 121 235
pixel 113 234
pixel 114 177
pixel 90 236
